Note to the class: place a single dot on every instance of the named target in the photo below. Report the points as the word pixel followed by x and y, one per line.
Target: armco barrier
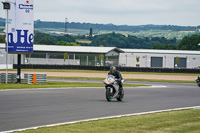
pixel 106 68
pixel 29 78
pixel 12 78
pixel 25 79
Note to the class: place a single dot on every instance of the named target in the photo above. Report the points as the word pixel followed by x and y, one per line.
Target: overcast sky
pixel 120 12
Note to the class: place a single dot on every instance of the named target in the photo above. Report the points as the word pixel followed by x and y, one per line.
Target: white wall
pixel 52 61
pixel 12 58
pixel 112 53
pixel 129 59
pixel 193 61
pixel 3 66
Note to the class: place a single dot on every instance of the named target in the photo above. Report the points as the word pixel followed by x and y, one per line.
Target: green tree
pixel 91 34
pixel 190 43
pixel 101 57
pixel 121 41
pixel 47 39
pixel 177 59
pixel 62 43
pixel 165 46
pixel 2 39
pixel 65 56
pixel 137 58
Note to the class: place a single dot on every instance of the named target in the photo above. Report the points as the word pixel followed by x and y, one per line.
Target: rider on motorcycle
pixel 118 76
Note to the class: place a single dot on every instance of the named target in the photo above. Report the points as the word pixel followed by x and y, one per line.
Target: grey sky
pixel 120 12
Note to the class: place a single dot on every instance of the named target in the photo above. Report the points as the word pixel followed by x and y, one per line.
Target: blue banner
pixel 20 26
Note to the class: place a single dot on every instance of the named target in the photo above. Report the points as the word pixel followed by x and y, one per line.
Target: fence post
pixel 34 78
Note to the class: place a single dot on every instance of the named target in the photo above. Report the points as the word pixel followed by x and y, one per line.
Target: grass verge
pixel 93 71
pixel 87 78
pixel 183 121
pixel 83 41
pixel 142 80
pixel 52 84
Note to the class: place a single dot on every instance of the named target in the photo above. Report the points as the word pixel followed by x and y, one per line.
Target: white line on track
pixel 158 86
pixel 101 118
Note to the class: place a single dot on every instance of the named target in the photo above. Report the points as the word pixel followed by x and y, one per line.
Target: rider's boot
pixel 120 90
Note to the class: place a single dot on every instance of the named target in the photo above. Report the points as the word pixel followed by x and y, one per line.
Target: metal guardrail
pixel 12 78
pixel 28 78
pixel 25 78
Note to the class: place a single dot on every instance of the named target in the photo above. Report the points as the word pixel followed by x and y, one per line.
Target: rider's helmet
pixel 112 69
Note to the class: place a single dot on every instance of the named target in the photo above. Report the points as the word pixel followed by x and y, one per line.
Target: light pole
pixel 6 6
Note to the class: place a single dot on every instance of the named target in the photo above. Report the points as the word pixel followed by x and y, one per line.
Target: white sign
pixel 21 26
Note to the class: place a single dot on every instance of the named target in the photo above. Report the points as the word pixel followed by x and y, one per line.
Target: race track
pixel 30 108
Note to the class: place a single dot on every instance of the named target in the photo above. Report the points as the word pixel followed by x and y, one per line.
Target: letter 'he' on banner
pixel 20 26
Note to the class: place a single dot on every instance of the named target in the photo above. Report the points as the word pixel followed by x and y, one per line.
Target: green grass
pixel 97 78
pixel 183 121
pixel 52 84
pixel 87 78
pixel 83 41
pixel 93 71
pixel 74 31
pixel 169 34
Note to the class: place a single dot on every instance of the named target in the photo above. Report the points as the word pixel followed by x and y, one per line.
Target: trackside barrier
pixel 25 78
pixel 106 68
pixel 34 79
pixel 12 78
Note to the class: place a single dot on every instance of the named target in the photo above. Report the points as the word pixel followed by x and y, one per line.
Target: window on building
pixel 112 60
pixel 56 55
pixel 36 55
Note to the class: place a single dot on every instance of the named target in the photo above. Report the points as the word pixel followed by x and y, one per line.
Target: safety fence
pixel 106 68
pixel 34 78
pixel 25 78
pixel 12 78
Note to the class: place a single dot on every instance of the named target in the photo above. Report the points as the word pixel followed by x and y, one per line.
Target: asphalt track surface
pixel 30 108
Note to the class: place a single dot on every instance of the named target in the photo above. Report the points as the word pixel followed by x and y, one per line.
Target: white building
pixel 65 55
pixel 12 59
pixel 104 56
pixel 159 58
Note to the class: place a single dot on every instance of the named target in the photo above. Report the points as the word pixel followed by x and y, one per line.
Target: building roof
pixel 73 49
pixel 154 51
pixel 104 50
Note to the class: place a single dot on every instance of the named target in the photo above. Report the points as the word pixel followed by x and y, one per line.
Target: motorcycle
pixel 112 89
pixel 198 81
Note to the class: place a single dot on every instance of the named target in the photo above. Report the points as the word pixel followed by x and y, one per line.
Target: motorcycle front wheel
pixel 109 95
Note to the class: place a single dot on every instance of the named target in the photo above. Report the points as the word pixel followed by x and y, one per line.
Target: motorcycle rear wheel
pixel 121 97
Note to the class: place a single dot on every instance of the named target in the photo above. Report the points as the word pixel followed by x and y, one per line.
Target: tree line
pixel 112 27
pixel 122 41
pixel 187 43
pixel 109 27
pixel 48 39
pixel 118 40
